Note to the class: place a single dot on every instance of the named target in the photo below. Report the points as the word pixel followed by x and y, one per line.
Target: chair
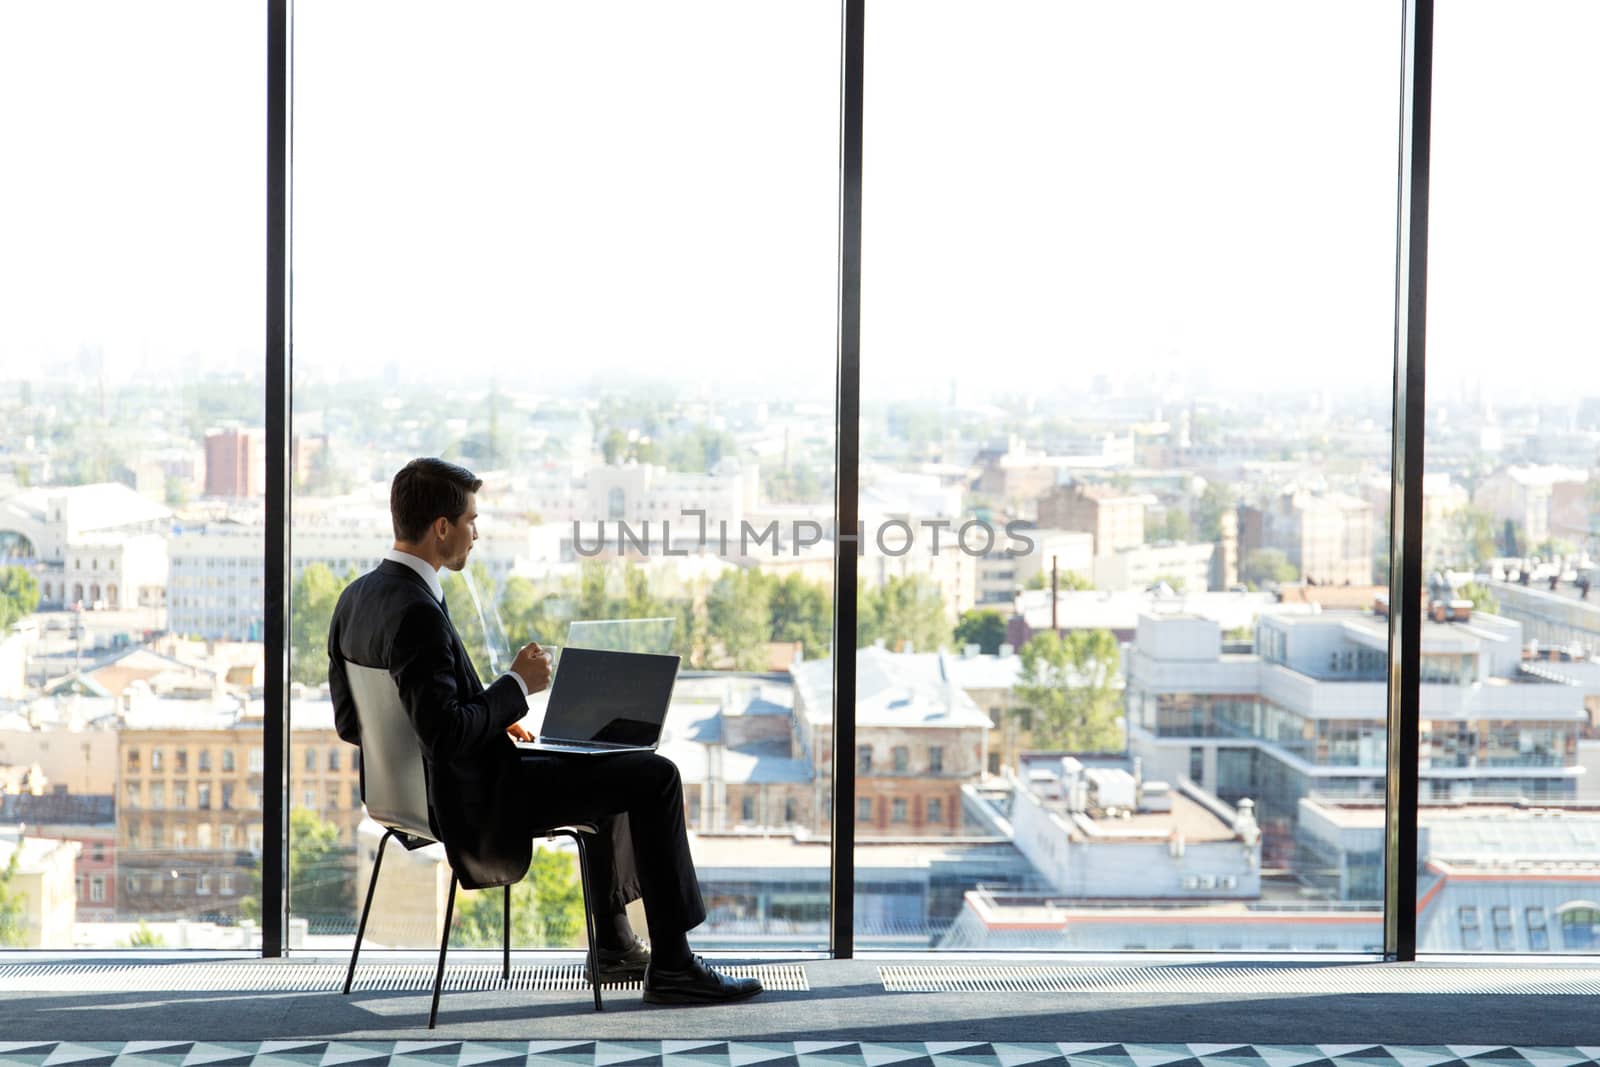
pixel 395 792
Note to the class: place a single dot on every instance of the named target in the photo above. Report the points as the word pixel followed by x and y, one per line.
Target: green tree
pixel 176 491
pixel 531 613
pixel 593 601
pixel 1482 597
pixel 1215 499
pixel 1511 539
pixel 1173 581
pixel 985 628
pixel 463 601
pixel 1066 581
pixel 1555 548
pixel 638 602
pixel 311 602
pixel 614 446
pixel 791 485
pixel 1262 566
pixel 546 907
pixel 802 611
pixel 1171 526
pixel 907 610
pixel 698 450
pixel 1473 529
pixel 321 873
pixel 739 610
pixel 1066 689
pixel 693 633
pixel 13 920
pixel 144 937
pixel 19 595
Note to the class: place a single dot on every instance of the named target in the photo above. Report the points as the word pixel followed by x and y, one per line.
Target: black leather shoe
pixel 695 984
pixel 620 964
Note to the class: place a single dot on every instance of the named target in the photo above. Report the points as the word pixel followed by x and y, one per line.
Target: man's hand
pixel 519 732
pixel 532 666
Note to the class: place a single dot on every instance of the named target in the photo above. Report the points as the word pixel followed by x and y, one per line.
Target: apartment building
pixel 191 796
pixel 1304 714
pixel 1114 517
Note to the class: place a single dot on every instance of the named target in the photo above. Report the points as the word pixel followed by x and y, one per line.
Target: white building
pixel 216 582
pixel 1120 611
pixel 636 492
pixel 1305 714
pixel 45 880
pixel 1004 570
pixel 1184 567
pixel 1098 829
pixel 115 571
pixel 51 518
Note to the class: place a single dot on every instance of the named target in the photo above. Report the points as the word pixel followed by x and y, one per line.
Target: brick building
pixel 1115 518
pixel 919 738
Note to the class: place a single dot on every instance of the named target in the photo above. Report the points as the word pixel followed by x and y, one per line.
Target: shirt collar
pixel 424 570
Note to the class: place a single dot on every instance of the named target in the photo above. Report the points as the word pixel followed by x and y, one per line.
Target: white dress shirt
pixel 429 574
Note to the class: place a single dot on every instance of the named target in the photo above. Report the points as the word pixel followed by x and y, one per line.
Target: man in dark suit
pixel 483 792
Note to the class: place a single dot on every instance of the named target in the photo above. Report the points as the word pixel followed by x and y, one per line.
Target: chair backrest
pixel 396 791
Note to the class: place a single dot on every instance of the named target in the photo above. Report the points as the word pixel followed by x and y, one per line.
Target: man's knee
pixel 664 771
pixel 649 774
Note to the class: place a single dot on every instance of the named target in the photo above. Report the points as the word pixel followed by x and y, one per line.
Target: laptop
pixel 605 701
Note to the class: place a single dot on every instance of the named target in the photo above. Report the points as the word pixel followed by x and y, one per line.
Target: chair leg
pixel 505 952
pixel 588 918
pixel 444 944
pixel 361 928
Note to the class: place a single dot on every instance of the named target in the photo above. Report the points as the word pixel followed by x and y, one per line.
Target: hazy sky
pixel 605 191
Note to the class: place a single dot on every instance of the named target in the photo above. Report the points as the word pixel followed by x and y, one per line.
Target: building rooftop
pixel 1103 610
pixel 892 689
pixel 974 672
pixel 58 809
pixel 1188 818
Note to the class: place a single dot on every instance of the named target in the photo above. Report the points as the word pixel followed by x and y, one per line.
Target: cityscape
pixel 1121 656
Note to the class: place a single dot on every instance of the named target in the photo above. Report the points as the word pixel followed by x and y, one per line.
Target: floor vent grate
pixel 148 977
pixel 1200 979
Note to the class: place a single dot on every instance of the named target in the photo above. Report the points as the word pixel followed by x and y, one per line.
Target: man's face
pixel 460 534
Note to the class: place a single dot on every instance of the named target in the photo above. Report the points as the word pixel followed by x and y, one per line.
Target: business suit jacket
pixel 388 619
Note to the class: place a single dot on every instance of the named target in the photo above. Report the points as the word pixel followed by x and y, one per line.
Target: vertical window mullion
pixel 847 413
pixel 274 857
pixel 1405 521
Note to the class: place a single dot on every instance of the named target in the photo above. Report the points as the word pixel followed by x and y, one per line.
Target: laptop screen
pixel 616 698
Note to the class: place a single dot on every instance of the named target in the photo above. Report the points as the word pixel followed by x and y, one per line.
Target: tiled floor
pixel 769 1054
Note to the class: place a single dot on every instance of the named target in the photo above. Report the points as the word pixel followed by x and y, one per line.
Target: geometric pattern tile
pixel 712 1053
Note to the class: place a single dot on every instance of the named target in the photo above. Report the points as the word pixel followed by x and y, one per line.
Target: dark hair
pixel 424 490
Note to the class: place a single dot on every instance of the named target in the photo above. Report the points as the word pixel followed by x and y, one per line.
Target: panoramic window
pixel 1511 497
pixel 1109 254
pixel 576 262
pixel 130 349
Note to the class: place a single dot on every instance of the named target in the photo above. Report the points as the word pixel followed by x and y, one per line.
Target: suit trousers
pixel 635 799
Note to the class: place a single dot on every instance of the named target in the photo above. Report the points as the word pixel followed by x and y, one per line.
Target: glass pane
pixel 590 256
pixel 131 415
pixel 1120 660
pixel 1511 497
